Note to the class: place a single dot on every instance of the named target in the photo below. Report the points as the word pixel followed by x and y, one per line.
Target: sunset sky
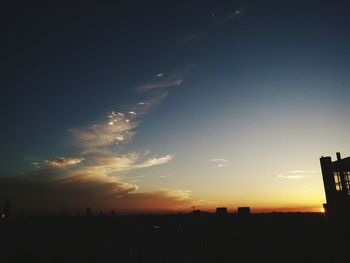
pixel 158 107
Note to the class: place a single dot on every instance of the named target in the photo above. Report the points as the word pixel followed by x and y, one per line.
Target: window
pixel 347 181
pixel 337 181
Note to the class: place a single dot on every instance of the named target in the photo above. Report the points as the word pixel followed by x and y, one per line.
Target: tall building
pixel 221 211
pixel 336 180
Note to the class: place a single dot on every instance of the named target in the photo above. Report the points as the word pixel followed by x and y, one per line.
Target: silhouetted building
pixel 221 211
pixel 336 180
pixel 244 211
pixel 244 216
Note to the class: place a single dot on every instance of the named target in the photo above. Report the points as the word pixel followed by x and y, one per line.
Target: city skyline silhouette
pixel 175 131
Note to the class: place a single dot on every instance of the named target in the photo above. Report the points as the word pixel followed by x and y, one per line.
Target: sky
pixel 158 107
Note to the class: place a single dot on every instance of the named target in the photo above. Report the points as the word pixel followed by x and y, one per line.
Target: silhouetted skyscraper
pixel 336 180
pixel 244 216
pixel 221 211
pixel 245 211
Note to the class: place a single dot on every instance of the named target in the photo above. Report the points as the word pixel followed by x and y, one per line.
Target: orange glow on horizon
pixel 254 210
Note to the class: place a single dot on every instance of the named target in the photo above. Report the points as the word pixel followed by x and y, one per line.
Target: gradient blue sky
pixel 220 103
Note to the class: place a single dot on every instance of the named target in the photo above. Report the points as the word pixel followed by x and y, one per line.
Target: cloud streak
pixel 292 177
pixel 61 162
pixel 165 80
pixel 109 163
pixel 219 162
pixel 162 82
pixel 155 161
pixel 296 174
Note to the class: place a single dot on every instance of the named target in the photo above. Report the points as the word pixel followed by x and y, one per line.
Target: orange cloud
pixel 50 191
pixel 90 178
pixel 61 162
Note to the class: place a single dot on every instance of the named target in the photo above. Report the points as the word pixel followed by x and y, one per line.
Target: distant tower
pixel 244 216
pixel 221 211
pixel 243 211
pixel 336 180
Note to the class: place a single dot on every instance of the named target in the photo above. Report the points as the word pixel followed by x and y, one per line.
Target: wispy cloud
pixel 109 162
pixel 290 176
pixel 155 161
pixel 146 105
pixel 219 162
pixel 61 162
pixel 165 80
pixel 179 194
pixel 296 174
pixel 162 82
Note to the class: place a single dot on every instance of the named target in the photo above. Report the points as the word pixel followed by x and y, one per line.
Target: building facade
pixel 336 180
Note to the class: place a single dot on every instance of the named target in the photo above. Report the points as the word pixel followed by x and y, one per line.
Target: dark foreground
pixel 290 237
